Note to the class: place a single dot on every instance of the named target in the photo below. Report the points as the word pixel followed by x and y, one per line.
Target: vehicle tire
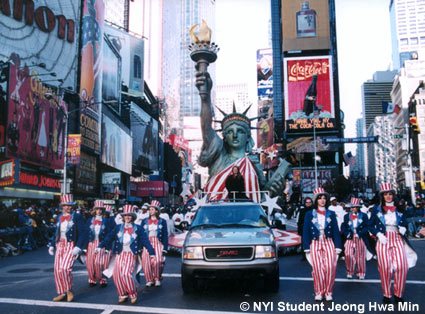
pixel 272 282
pixel 188 284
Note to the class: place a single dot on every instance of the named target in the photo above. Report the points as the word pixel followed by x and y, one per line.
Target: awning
pixel 10 192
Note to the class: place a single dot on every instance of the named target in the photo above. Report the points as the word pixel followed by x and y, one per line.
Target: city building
pixel 359 166
pixel 407 18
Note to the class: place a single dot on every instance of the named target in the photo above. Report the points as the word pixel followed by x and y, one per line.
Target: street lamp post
pixel 315 151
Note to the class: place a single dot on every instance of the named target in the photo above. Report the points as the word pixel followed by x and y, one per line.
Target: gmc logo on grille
pixel 224 253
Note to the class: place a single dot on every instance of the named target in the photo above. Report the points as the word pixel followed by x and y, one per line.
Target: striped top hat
pixel 320 191
pixel 156 204
pixel 108 208
pixel 386 187
pixel 67 200
pixel 355 202
pixel 128 210
pixel 98 204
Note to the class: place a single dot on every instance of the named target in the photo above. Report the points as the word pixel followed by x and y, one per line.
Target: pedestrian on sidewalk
pixel 69 239
pixel 355 229
pixel 155 228
pixel 98 228
pixel 395 255
pixel 322 244
pixel 129 241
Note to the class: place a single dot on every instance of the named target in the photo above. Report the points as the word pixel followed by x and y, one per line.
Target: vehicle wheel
pixel 272 282
pixel 188 284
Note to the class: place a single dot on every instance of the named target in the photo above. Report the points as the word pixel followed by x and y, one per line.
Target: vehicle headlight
pixel 265 251
pixel 193 252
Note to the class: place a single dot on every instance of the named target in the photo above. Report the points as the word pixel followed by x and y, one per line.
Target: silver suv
pixel 230 240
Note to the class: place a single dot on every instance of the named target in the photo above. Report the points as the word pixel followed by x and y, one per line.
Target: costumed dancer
pixel 322 244
pixel 98 227
pixel 129 240
pixel 357 249
pixel 155 229
pixel 394 253
pixel 69 239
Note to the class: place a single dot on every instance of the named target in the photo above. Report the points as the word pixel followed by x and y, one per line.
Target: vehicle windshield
pixel 230 216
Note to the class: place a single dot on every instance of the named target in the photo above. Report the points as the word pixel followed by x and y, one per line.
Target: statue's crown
pixel 235 117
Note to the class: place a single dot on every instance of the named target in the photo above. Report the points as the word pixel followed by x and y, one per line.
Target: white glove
pixel 382 238
pixel 97 250
pixel 306 251
pixel 164 251
pixel 76 251
pixel 118 219
pixel 51 250
pixel 337 251
pixel 402 230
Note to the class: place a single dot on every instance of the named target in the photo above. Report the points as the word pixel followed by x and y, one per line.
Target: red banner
pixel 149 188
pixel 40 181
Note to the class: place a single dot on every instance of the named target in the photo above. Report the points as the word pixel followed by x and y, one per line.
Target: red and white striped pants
pixel 123 274
pixel 152 268
pixel 96 262
pixel 64 260
pixel 392 259
pixel 324 260
pixel 355 254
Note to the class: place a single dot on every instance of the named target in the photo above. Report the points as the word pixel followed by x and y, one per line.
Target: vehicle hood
pixel 229 236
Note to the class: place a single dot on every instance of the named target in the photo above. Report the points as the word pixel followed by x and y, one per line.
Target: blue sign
pixel 367 139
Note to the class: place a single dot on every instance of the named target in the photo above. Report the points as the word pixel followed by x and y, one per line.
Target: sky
pixel 363 43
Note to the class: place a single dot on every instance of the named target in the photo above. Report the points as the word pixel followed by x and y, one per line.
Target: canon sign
pixel 43 17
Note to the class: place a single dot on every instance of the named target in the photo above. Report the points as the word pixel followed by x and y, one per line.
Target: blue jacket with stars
pixel 362 229
pixel 106 227
pixel 162 232
pixel 76 231
pixel 377 221
pixel 311 229
pixel 137 243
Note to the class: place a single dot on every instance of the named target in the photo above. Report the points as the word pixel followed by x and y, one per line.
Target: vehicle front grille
pixel 229 253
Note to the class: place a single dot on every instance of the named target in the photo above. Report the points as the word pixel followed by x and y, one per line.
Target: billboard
pixel 36 125
pixel 117 146
pixel 305 25
pixel 130 50
pixel 91 74
pixel 74 149
pixel 4 80
pixel 111 76
pixel 86 174
pixel 149 188
pixel 306 177
pixel 309 95
pixel 42 32
pixel 145 139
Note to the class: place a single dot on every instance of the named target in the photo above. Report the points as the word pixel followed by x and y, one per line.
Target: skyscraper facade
pixel 407 29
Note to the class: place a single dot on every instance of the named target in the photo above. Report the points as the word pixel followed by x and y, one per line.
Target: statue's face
pixel 236 136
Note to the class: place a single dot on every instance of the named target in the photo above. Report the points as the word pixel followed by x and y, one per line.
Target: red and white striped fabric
pixel 128 209
pixel 392 260
pixel 108 208
pixel 96 262
pixel 155 203
pixel 355 202
pixel 355 255
pixel 123 274
pixel 64 261
pixel 67 199
pixel 98 204
pixel 216 185
pixel 324 260
pixel 386 187
pixel 319 190
pixel 152 268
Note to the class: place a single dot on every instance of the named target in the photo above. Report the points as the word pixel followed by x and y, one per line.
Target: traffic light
pixel 414 124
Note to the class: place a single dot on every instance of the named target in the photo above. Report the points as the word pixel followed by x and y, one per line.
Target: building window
pixel 137 67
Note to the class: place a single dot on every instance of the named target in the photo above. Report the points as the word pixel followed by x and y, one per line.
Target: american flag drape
pixel 216 185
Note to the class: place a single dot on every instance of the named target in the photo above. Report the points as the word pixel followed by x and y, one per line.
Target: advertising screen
pixel 36 123
pixel 309 96
pixel 145 139
pixel 116 146
pixel 305 25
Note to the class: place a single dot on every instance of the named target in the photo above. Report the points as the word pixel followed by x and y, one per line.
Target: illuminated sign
pixel 38 180
pixel 7 172
pixel 322 124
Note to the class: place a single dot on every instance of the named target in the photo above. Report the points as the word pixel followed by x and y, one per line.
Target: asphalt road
pixel 27 286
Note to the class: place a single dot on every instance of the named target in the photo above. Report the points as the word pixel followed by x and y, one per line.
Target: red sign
pixel 149 188
pixel 309 92
pixel 38 180
pixel 178 141
pixel 7 173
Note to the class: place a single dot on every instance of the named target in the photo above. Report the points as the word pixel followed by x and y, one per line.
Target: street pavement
pixel 27 286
